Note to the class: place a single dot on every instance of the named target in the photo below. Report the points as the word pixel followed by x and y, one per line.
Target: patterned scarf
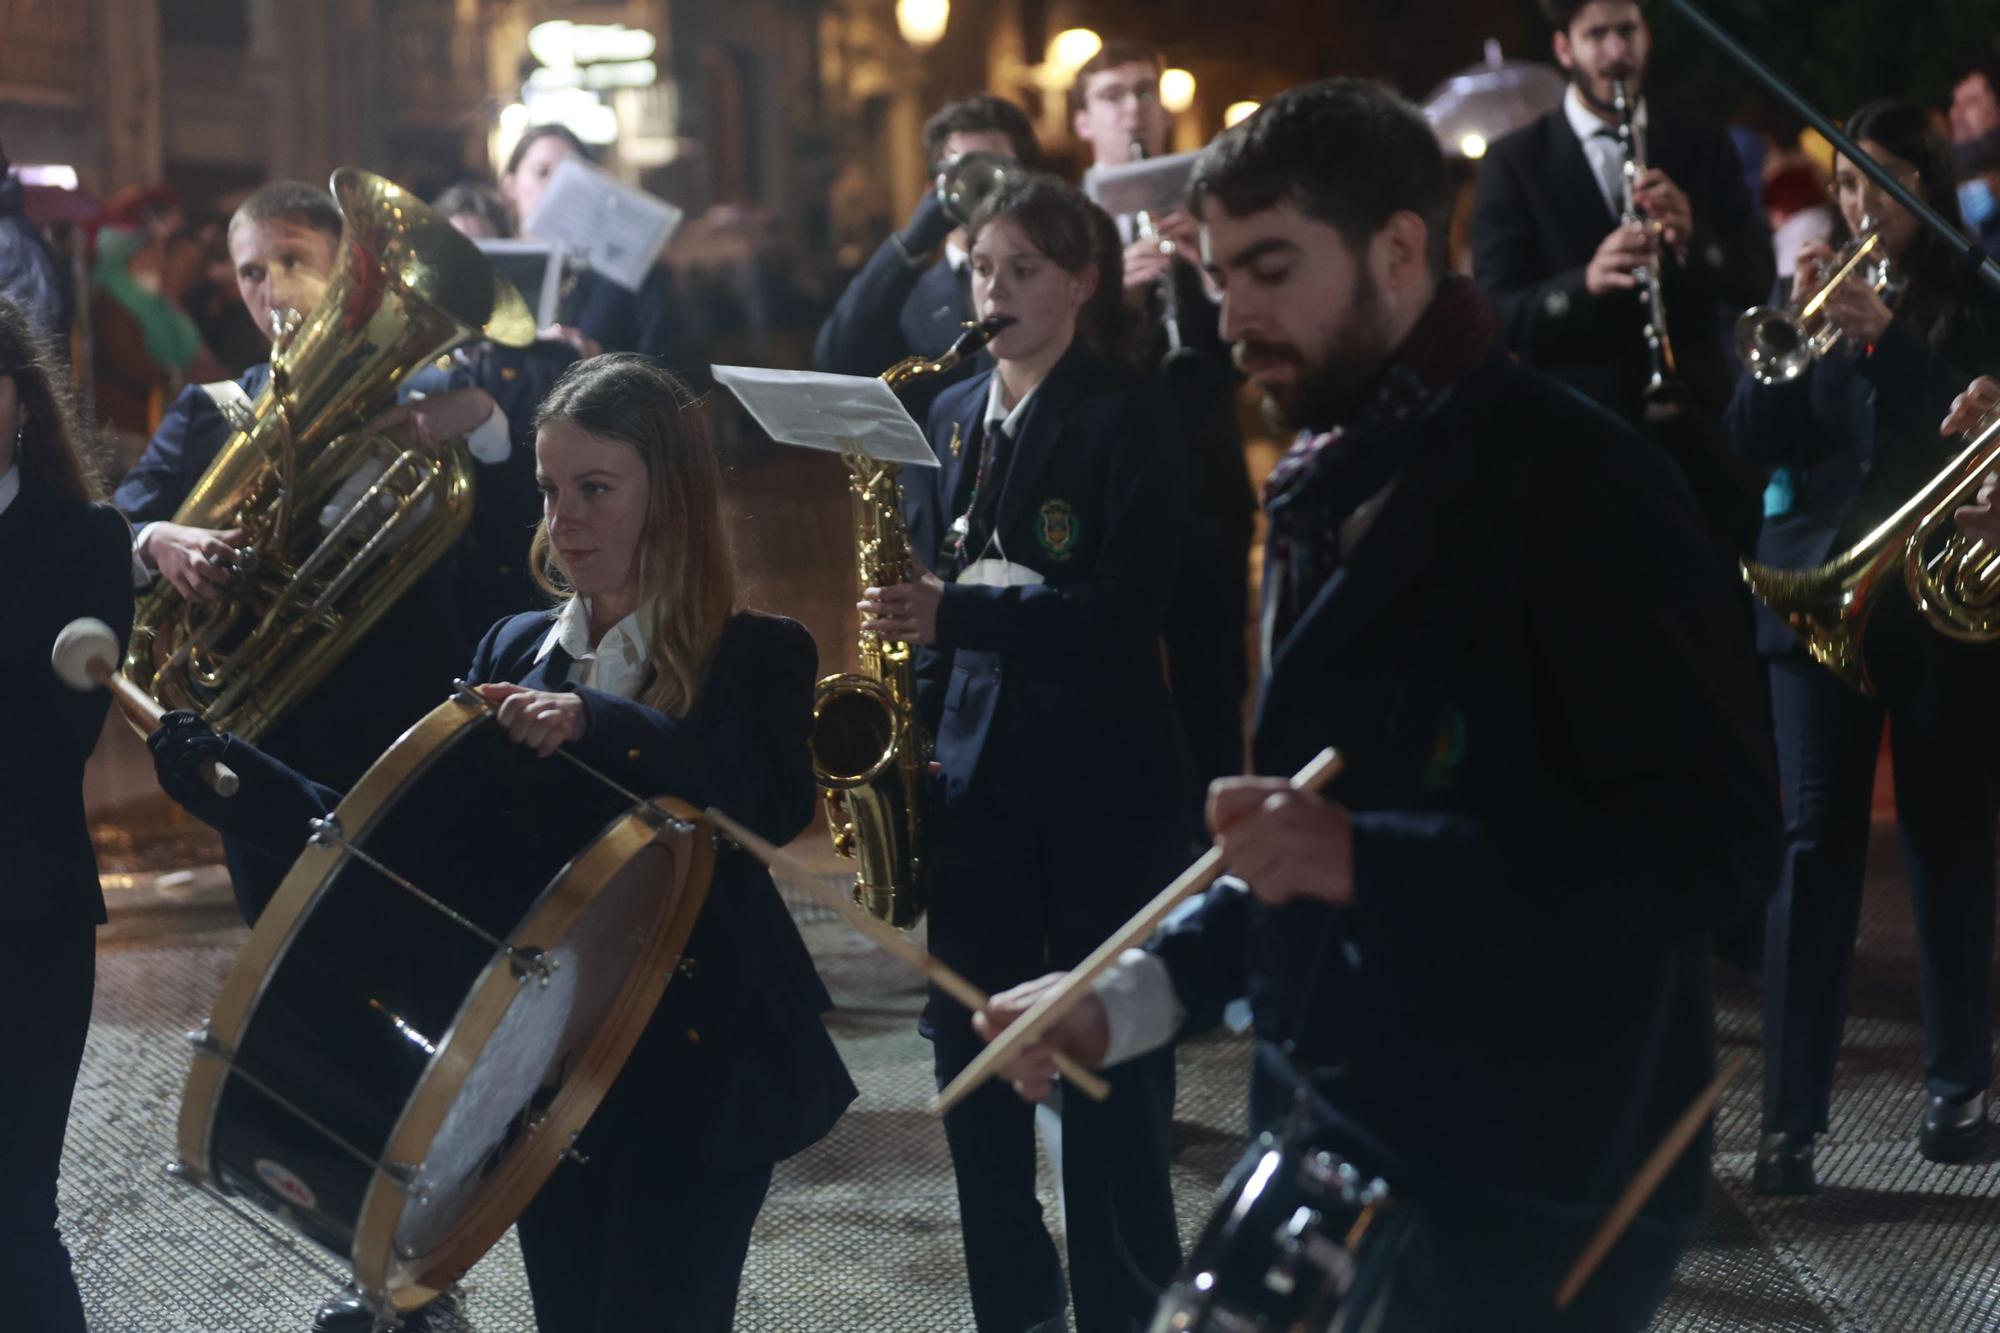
pixel 1323 478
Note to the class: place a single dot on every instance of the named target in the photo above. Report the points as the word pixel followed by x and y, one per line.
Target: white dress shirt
pixel 616 665
pixel 996 570
pixel 1600 145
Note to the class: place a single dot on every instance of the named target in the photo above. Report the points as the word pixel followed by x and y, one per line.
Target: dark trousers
pixel 1009 904
pixel 1828 738
pixel 58 969
pixel 640 1237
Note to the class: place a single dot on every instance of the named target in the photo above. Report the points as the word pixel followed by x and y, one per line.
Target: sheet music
pixel 534 267
pixel 618 230
pixel 1153 185
pixel 820 411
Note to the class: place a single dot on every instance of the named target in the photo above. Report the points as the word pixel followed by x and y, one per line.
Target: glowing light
pixel 1176 90
pixel 560 43
pixel 513 119
pixel 1071 49
pixel 1473 146
pixel 1239 112
pixel 54 174
pixel 922 22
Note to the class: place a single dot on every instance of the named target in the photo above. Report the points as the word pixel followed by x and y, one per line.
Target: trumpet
pixel 973 178
pixel 1955 584
pixel 1776 344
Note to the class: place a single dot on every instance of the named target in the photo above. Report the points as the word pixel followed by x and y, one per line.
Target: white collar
pixel 10 486
pixel 571 633
pixel 1584 122
pixel 954 256
pixel 997 413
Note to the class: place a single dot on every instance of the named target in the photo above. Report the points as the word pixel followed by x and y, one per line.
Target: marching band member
pixel 1551 253
pixel 1485 952
pixel 61 556
pixel 1849 441
pixel 283 240
pixel 1115 108
pixel 1060 801
pixel 599 315
pixel 905 301
pixel 650 672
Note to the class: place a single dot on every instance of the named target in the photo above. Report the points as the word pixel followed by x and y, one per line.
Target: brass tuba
pixel 869 749
pixel 337 522
pixel 1955 584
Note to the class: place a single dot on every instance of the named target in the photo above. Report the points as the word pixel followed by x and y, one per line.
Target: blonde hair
pixel 685 567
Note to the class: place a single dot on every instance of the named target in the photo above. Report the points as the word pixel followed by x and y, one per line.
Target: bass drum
pixel 393 1077
pixel 1300 1241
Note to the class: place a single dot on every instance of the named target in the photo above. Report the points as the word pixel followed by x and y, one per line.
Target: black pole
pixel 1974 259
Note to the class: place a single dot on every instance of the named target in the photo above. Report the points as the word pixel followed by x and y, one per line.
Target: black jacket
pixel 1855 437
pixel 1540 216
pixel 893 309
pixel 1559 776
pixel 762 1074
pixel 58 560
pixel 1050 700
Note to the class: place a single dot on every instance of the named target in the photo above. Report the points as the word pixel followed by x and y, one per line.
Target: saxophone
pixel 869 750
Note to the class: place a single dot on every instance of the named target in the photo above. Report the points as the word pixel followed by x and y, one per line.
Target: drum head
pixel 534 1039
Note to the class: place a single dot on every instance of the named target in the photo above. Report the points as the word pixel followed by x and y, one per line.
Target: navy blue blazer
pixel 1050 700
pixel 1560 777
pixel 59 560
pixel 1538 218
pixel 764 1071
pixel 626 321
pixel 893 309
pixel 388 680
pixel 1856 436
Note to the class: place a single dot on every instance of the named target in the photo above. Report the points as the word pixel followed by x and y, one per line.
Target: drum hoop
pixel 242 993
pixel 571 890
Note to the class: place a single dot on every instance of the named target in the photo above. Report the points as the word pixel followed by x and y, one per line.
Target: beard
pixel 1325 390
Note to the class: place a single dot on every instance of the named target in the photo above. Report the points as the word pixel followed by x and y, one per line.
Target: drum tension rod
pixel 327 832
pixel 203 1039
pixel 282 1241
pixel 653 814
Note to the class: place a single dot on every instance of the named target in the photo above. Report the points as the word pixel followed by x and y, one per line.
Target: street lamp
pixel 922 22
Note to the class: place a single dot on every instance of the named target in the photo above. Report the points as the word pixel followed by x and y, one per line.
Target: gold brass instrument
pixel 337 522
pixel 1648 277
pixel 1777 344
pixel 970 180
pixel 1956 584
pixel 869 749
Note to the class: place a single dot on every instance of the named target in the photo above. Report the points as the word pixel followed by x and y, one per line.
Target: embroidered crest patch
pixel 1056 529
pixel 1447 753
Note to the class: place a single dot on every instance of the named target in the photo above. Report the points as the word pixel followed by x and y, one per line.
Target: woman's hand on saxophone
pixel 907 611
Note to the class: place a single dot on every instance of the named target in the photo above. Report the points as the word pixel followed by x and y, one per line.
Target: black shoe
pixel 1953 1131
pixel 346 1312
pixel 1784 1166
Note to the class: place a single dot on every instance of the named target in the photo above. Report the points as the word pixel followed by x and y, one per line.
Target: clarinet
pixel 1170 296
pixel 1657 342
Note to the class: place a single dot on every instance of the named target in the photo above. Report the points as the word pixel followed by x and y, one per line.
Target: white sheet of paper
pixel 618 230
pixel 818 411
pixel 1155 185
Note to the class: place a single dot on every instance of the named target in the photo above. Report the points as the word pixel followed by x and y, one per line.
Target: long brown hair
pixel 46 450
pixel 685 568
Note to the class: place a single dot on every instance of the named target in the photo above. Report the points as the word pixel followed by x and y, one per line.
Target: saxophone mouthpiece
pixel 978 335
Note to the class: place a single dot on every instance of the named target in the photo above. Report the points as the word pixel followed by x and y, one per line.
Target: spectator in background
pixel 146 345
pixel 1975 147
pixel 1795 202
pixel 30 274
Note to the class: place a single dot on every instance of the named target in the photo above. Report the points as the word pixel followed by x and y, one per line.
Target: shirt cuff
pixel 1140 1007
pixel 491 442
pixel 143 574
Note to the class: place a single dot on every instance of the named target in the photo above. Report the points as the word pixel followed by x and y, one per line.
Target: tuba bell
pixel 869 749
pixel 1952 579
pixel 338 522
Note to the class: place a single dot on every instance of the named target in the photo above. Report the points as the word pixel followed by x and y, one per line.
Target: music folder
pixel 618 230
pixel 819 411
pixel 1152 185
pixel 534 267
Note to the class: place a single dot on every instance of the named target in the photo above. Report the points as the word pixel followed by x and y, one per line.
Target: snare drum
pixel 1300 1241
pixel 437 999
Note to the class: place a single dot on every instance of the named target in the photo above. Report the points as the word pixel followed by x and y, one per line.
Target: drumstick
pixel 888 937
pixel 84 657
pixel 1060 998
pixel 1643 1184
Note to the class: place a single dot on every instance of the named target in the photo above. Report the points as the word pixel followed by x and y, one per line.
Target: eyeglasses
pixel 1849 185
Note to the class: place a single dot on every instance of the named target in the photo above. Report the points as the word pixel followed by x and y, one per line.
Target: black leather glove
pixel 926 229
pixel 179 746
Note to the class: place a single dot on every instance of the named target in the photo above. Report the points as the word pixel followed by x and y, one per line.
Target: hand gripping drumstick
pixel 891 939
pixel 1642 1186
pixel 85 657
pixel 1060 998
